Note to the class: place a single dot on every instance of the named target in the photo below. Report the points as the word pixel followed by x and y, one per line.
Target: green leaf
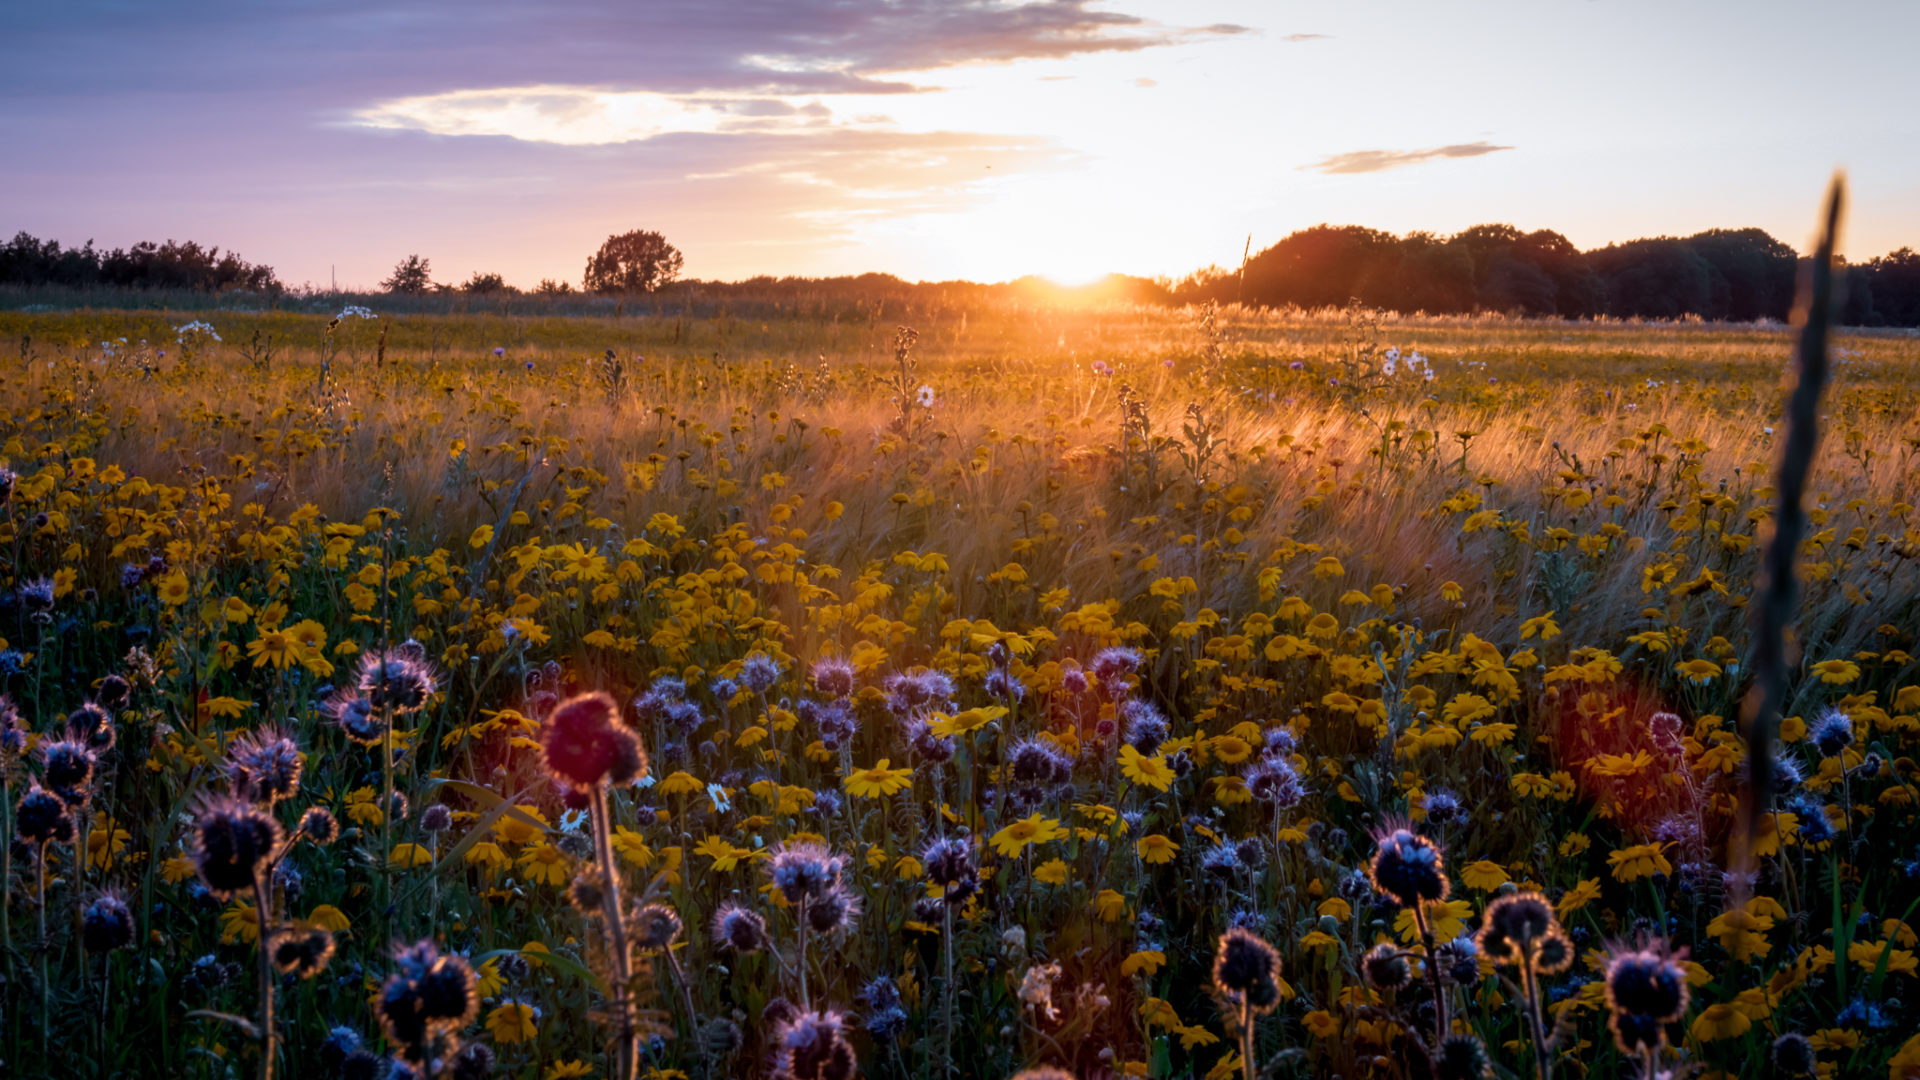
pixel 501 808
pixel 559 961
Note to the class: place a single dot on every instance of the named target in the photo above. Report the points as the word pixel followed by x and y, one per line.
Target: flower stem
pixel 262 895
pixel 1440 1023
pixel 626 1039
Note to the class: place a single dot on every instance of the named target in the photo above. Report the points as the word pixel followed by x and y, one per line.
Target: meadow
pixel 1121 691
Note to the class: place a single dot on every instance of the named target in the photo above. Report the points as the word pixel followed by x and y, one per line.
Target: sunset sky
pixel 939 138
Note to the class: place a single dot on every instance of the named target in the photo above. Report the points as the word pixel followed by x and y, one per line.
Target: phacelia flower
pixel 1408 868
pixel 1246 972
pixel 586 742
pixel 231 843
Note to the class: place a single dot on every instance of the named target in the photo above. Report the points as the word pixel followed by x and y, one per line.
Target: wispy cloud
pixel 1368 161
pixel 1297 38
pixel 356 52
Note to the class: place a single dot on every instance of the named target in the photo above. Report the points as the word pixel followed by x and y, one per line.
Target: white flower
pixel 355 311
pixel 1388 367
pixel 925 397
pixel 1393 353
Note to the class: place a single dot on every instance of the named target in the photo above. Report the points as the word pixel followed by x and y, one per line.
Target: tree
pixel 411 276
pixel 638 261
pixel 485 284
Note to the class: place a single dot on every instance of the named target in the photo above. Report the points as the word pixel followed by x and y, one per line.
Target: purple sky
pixel 937 138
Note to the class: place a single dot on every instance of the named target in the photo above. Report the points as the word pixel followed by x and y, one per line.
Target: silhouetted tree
pixel 1661 278
pixel 1758 270
pixel 638 261
pixel 481 284
pixel 1895 281
pixel 411 276
pixel 172 265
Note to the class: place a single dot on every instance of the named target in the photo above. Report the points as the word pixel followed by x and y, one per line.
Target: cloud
pixel 1296 38
pixel 1367 161
pixel 353 53
pixel 582 116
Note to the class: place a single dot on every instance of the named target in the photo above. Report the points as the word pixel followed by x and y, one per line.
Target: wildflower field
pixel 1122 692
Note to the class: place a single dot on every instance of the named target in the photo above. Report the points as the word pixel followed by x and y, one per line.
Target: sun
pixel 1075 279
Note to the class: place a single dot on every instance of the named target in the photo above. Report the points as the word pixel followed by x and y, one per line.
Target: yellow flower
pixel 1446 918
pixel 273 647
pixel 177 869
pixel 490 981
pixel 679 783
pixel 1905 1065
pixel 1742 932
pixel 1147 960
pixel 1638 861
pixel 105 843
pixel 1720 1021
pixel 724 855
pixel 1578 897
pixel 1231 749
pixel 970 720
pixel 1013 839
pixel 512 1022
pixel 1109 906
pixel 876 782
pixel 407 856
pixel 1483 875
pixel 632 847
pixel 1837 672
pixel 175 588
pixel 487 855
pixel 1153 772
pixel 1053 872
pixel 568 1070
pixel 1466 708
pixel 362 809
pixel 328 917
pixel 1492 734
pixel 1698 670
pixel 1867 956
pixel 512 829
pixel 1156 848
pixel 238 923
pixel 1542 625
pixel 544 862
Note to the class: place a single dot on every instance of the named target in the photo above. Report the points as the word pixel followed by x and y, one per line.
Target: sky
pixel 939 139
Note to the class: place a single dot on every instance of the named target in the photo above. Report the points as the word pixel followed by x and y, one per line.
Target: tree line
pixel 27 261
pixel 1720 274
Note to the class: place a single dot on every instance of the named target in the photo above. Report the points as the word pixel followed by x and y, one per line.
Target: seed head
pixel 300 951
pixel 1408 868
pixel 586 743
pixel 813 1046
pixel 42 818
pixel 1521 930
pixel 739 929
pixel 1246 972
pixel 231 843
pixel 264 766
pixel 106 924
